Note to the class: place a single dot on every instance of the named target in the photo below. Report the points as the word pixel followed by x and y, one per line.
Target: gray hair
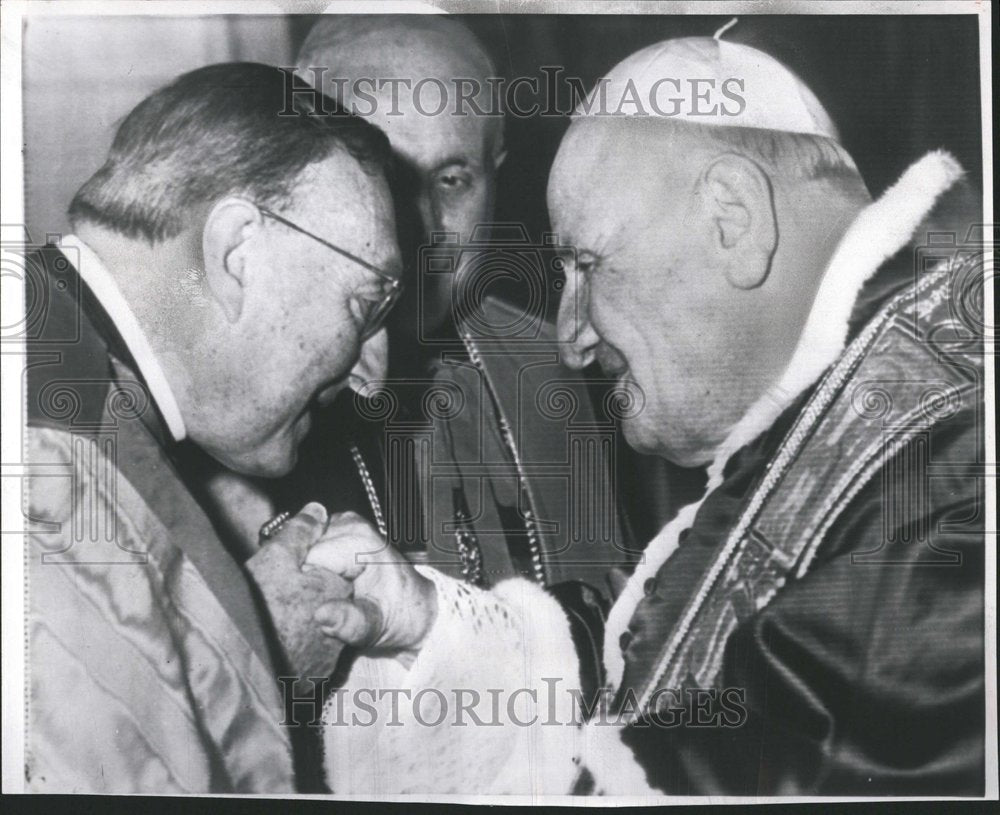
pixel 802 156
pixel 215 131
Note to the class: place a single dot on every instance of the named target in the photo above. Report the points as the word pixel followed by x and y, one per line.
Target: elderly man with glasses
pixel 226 268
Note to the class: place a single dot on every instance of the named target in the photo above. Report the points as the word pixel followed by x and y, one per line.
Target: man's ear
pixel 225 246
pixel 739 202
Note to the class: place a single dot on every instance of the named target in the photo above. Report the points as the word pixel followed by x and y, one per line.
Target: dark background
pixel 895 86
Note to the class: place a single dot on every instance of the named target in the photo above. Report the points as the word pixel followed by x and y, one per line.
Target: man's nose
pixel 447 217
pixel 578 340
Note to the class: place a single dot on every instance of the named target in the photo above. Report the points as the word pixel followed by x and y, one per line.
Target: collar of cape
pixel 881 230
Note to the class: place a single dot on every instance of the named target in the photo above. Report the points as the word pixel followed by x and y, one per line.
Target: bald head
pixel 655 154
pixel 610 177
pixel 700 250
pixel 398 45
pixel 422 79
pixel 415 76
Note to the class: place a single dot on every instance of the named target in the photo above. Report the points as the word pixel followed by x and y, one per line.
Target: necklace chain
pixel 528 516
pixel 366 479
pixel 472 566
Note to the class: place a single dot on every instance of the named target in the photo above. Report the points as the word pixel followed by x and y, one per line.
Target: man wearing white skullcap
pixel 812 625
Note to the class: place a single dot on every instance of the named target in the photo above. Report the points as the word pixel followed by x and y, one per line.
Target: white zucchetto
pixel 711 82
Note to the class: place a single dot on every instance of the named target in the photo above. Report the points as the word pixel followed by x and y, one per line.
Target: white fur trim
pixel 515 637
pixel 541 761
pixel 880 230
pixel 525 633
pixel 612 763
pixel 658 551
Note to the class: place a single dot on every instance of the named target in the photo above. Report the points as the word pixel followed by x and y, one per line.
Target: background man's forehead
pixel 435 47
pixel 422 79
pixel 432 139
pixel 428 140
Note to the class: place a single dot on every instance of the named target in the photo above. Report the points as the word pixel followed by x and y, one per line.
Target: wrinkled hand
pixel 293 595
pixel 392 606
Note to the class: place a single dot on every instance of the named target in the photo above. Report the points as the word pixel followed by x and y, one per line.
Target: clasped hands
pixel 333 581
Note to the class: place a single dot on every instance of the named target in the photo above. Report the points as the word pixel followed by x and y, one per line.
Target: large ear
pixel 739 201
pixel 230 224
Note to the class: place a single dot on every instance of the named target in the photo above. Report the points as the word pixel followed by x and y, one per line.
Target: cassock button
pixel 649 586
pixel 624 640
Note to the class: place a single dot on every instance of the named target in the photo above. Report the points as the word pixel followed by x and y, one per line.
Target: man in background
pixel 451 347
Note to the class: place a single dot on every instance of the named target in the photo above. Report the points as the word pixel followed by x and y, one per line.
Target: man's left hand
pixel 293 595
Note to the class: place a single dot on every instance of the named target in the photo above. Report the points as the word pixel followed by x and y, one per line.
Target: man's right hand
pixel 293 596
pixel 392 606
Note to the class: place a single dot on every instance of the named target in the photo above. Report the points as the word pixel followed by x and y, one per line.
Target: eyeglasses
pixel 377 308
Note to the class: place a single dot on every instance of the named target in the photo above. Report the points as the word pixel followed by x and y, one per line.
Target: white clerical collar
pixel 97 277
